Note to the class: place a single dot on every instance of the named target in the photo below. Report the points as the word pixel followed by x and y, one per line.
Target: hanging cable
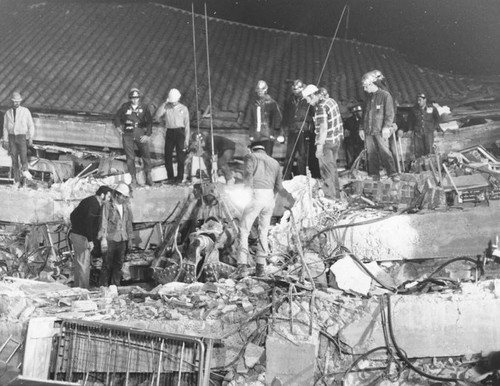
pixel 213 173
pixel 195 72
pixel 290 161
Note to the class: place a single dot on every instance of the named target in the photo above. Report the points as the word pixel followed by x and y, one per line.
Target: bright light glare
pixel 239 195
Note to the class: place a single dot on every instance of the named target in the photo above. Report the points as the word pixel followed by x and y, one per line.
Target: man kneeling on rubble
pixel 262 174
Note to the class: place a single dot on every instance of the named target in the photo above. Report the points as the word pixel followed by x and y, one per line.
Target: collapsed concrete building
pixel 376 289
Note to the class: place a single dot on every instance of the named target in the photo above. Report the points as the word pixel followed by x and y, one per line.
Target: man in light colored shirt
pixel 18 128
pixel 174 117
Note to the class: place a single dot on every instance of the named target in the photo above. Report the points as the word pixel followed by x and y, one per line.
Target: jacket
pixel 265 118
pixel 22 124
pixel 378 112
pixel 130 119
pixel 86 218
pixel 424 120
pixel 115 227
pixel 295 112
pixel 261 171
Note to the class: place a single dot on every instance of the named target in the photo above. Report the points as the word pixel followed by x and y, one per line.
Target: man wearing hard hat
pixel 116 235
pixel 135 123
pixel 174 117
pixel 18 128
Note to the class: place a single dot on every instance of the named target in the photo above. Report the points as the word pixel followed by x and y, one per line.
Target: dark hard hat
pixel 297 85
pixel 356 108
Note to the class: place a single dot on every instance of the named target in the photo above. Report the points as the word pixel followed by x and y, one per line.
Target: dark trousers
pixel 129 140
pixel 174 139
pixel 295 150
pixel 18 151
pixel 328 170
pixel 112 262
pixel 424 144
pixel 379 154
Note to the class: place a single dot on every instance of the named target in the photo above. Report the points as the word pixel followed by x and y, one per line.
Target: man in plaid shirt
pixel 329 134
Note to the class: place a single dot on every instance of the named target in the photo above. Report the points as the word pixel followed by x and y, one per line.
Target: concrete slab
pixel 424 235
pixel 433 325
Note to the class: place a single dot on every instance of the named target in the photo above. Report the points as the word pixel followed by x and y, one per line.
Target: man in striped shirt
pixel 329 134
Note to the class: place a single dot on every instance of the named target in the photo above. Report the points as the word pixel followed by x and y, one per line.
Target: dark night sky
pixel 460 36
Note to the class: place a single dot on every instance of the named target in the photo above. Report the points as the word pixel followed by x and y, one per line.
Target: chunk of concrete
pixel 291 364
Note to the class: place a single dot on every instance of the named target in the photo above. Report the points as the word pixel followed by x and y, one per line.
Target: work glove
pixel 130 244
pixel 5 145
pixel 362 135
pixel 30 142
pixel 144 138
pixel 386 133
pixel 400 133
pixel 319 151
pixel 347 133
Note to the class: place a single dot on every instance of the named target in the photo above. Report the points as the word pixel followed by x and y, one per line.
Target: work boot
pixel 260 270
pixel 149 179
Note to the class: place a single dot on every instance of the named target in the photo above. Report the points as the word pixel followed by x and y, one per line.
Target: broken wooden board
pixel 426 235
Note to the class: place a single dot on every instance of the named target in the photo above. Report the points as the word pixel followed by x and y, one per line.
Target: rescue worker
pixel 85 223
pixel 116 235
pixel 297 118
pixel 329 134
pixel 18 133
pixel 352 141
pixel 224 149
pixel 423 120
pixel 174 116
pixel 262 174
pixel 133 120
pixel 265 117
pixel 377 125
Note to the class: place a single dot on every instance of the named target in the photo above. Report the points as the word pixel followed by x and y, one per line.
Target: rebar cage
pixel 94 353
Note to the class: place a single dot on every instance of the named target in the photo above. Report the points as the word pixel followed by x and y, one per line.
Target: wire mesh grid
pixel 102 354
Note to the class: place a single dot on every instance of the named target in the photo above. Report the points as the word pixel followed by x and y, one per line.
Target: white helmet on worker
pixel 174 96
pixel 123 189
pixel 309 90
pixel 261 86
pixel 371 77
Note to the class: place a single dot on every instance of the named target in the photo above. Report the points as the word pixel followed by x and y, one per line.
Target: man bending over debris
pixel 135 123
pixel 262 174
pixel 85 222
pixel 116 235
pixel 18 127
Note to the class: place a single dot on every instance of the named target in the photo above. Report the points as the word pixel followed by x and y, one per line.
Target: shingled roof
pixel 84 56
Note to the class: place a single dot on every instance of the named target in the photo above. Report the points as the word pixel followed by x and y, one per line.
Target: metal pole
pixel 214 163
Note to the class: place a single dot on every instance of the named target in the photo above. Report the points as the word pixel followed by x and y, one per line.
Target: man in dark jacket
pixel 297 119
pixel 262 174
pixel 224 149
pixel 423 120
pixel 85 223
pixel 265 117
pixel 135 123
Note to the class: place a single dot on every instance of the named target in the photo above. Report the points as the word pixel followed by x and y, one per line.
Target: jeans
pixel 299 153
pixel 261 207
pixel 18 150
pixel 379 153
pixel 81 263
pixel 112 262
pixel 129 140
pixel 328 170
pixel 174 138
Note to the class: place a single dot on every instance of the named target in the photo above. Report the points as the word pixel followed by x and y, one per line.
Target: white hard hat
pixel 123 189
pixel 309 90
pixel 173 96
pixel 261 86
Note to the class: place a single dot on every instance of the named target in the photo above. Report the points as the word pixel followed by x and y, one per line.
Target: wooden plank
pixel 38 346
